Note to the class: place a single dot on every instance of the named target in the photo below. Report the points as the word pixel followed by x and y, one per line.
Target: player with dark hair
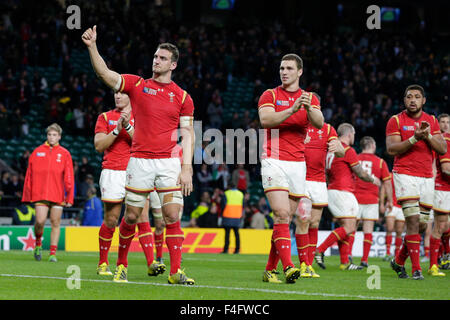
pixel 342 202
pixel 159 107
pixel 285 113
pixel 49 184
pixel 113 135
pixel 411 137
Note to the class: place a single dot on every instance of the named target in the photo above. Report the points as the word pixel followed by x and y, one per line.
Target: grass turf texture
pixel 217 276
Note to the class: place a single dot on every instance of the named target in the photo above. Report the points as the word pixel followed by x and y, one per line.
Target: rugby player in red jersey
pixel 318 143
pixel 368 194
pixel 342 202
pixel 411 137
pixel 441 204
pixel 113 136
pixel 159 107
pixel 285 113
pixel 49 184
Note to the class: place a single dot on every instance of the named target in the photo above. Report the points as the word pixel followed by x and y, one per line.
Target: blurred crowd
pixel 360 75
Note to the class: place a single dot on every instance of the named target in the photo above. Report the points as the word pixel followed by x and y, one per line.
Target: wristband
pixel 430 136
pixel 128 127
pixel 412 140
pixel 115 132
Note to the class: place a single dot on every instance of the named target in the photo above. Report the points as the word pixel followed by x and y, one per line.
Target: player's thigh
pixel 368 226
pixel 112 185
pixel 399 227
pixel 55 215
pixel 369 212
pixel 316 215
pixel 166 179
pixel 390 223
pixel 342 204
pixel 426 187
pixel 41 213
pixel 279 202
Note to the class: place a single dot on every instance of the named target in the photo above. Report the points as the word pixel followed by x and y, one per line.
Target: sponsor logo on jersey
pixel 40 154
pixel 58 157
pixel 408 128
pixel 150 91
pixel 283 103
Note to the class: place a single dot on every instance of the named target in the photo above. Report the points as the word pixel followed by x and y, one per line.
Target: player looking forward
pixel 285 113
pixel 159 107
pixel 411 137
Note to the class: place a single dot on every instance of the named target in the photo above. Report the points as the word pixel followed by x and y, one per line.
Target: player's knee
pixel 282 215
pixel 410 208
pixel 135 199
pixel 110 221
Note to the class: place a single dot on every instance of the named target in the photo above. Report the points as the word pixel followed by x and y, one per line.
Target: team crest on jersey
pixel 171 95
pixel 40 154
pixel 283 103
pixel 150 91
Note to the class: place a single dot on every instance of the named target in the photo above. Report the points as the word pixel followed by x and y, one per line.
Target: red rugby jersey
pixel 417 161
pixel 442 181
pixel 339 170
pixel 49 175
pixel 118 154
pixel 368 193
pixel 157 108
pixel 288 144
pixel 316 151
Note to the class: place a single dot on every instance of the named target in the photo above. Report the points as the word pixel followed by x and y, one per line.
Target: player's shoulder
pixel 63 150
pixel 446 136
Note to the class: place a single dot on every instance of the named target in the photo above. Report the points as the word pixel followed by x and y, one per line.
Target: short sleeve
pixel 267 99
pixel 129 83
pixel 393 127
pixel 187 107
pixel 351 157
pixel 315 102
pixel 102 124
pixel 332 134
pixel 435 129
pixel 385 174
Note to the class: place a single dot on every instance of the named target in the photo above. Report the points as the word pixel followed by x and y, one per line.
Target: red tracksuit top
pixel 49 175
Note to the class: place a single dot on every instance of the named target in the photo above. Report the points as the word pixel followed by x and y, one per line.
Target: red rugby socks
pixel 146 240
pixel 105 236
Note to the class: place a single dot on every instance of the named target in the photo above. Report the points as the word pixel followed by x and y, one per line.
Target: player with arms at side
pixel 285 113
pixel 49 184
pixel 318 143
pixel 113 135
pixel 411 137
pixel 368 194
pixel 441 204
pixel 159 107
pixel 342 202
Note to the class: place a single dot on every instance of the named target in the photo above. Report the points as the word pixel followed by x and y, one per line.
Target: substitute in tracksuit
pixel 49 184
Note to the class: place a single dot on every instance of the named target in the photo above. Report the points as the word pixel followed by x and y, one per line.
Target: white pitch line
pixel 303 293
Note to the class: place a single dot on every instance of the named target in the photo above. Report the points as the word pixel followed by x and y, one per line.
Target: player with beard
pixel 411 137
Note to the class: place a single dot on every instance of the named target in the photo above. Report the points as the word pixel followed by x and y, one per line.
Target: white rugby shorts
pixel 112 185
pixel 318 193
pixel 280 175
pixel 342 204
pixel 397 213
pixel 441 202
pixel 368 212
pixel 145 175
pixel 414 188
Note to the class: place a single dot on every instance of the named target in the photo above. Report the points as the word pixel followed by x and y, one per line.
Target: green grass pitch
pixel 217 276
